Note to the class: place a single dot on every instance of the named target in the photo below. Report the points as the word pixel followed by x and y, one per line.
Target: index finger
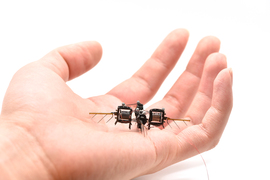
pixel 146 81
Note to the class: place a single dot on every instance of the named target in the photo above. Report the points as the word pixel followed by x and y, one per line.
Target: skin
pixel 47 133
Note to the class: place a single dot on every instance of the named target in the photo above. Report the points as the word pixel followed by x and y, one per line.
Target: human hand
pixel 53 123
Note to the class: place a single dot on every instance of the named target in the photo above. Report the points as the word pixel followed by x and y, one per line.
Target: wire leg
pixel 176 124
pixel 145 131
pixel 102 118
pixel 185 123
pixel 94 116
pixel 110 119
pixel 168 123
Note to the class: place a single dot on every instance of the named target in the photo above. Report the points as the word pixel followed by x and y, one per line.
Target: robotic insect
pixel 156 117
pixel 124 114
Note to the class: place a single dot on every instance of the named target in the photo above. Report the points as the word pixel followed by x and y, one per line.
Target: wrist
pixel 21 157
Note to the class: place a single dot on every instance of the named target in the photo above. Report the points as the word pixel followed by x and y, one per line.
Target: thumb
pixel 73 60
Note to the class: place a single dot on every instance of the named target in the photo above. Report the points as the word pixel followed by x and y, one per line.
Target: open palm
pixel 77 147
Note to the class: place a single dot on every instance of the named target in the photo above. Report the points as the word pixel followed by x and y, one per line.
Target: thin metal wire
pixel 100 113
pixel 168 123
pixel 176 124
pixel 110 118
pixel 102 118
pixel 182 119
pixel 93 116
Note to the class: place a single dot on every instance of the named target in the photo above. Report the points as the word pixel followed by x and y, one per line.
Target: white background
pixel 129 32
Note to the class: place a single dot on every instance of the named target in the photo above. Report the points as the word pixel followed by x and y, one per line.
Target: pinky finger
pixel 217 116
pixel 204 136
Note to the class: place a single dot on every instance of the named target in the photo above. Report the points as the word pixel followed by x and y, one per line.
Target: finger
pixel 178 99
pixel 198 137
pixel 202 101
pixel 206 135
pixel 217 116
pixel 145 82
pixel 73 60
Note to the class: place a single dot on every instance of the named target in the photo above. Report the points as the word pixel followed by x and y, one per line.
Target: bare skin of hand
pixel 47 133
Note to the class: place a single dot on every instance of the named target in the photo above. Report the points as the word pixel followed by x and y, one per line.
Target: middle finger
pixel 178 99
